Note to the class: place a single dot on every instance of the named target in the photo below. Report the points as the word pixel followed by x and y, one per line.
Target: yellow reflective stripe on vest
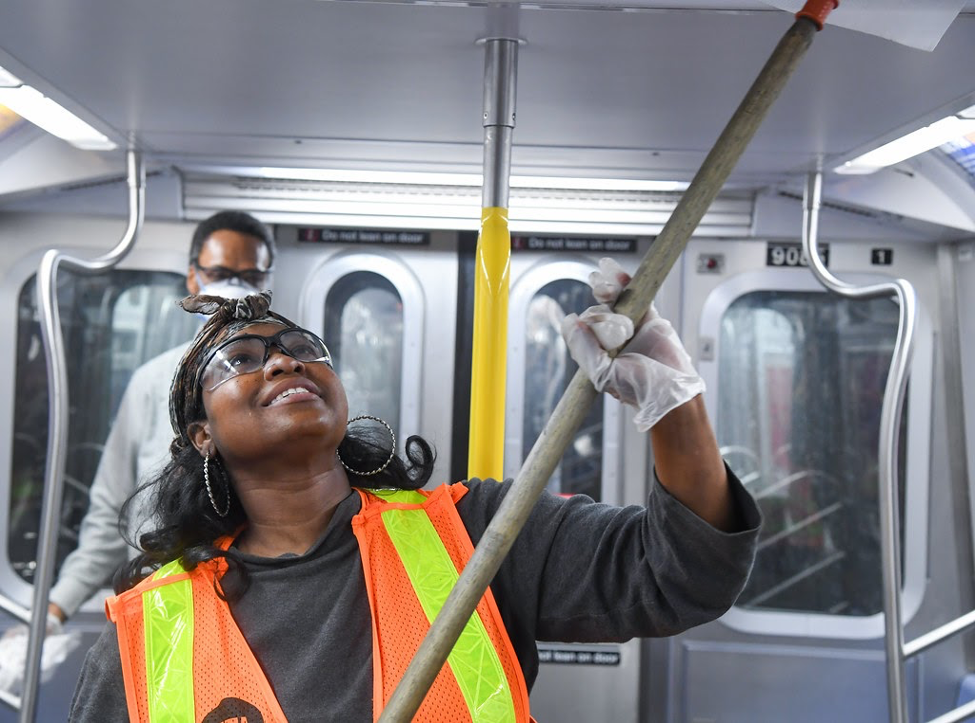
pixel 168 630
pixel 473 660
pixel 398 496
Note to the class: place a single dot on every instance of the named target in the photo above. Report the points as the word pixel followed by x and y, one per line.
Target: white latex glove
pixel 653 373
pixel 13 653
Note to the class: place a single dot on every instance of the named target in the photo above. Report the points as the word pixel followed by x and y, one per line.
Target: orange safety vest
pixel 184 658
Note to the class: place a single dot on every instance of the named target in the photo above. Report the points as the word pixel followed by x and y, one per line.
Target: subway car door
pixel 607 459
pixel 795 379
pixel 112 323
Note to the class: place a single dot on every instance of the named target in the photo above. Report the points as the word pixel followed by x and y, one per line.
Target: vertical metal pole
pixel 57 376
pixel 489 327
pixel 888 451
pixel 498 118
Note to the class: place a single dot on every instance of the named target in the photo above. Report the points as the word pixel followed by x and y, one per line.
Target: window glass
pixel 961 152
pixel 365 335
pixel 549 369
pixel 112 323
pixel 801 379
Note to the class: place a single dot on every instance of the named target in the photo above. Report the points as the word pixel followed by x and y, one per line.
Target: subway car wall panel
pixel 793 377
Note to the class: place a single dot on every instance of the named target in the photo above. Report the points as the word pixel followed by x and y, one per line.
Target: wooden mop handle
pixel 576 401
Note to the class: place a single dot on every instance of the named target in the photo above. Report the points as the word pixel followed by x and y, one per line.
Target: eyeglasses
pixel 254 277
pixel 249 353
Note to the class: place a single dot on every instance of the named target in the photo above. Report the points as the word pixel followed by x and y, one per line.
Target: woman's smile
pixel 292 390
pixel 293 395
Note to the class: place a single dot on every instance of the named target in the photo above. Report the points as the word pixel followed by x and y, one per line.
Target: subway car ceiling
pixel 250 104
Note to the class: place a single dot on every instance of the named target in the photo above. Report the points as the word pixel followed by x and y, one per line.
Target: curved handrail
pixel 892 400
pixel 57 377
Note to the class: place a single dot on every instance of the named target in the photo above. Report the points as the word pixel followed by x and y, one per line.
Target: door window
pixel 801 379
pixel 112 323
pixel 364 331
pixel 549 369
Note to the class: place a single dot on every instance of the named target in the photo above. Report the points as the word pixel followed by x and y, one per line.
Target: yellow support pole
pixel 489 339
pixel 486 436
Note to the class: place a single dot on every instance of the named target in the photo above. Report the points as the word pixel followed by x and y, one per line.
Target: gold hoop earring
pixel 210 493
pixel 393 446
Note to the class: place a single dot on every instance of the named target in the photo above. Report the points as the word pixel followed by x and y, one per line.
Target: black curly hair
pixel 235 221
pixel 185 523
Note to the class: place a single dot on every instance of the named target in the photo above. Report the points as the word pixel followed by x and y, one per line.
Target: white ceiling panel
pixel 641 91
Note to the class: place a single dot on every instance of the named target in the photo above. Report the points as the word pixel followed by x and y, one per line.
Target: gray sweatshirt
pixel 579 572
pixel 138 445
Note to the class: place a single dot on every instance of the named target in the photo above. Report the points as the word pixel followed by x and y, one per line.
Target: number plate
pixel 792 254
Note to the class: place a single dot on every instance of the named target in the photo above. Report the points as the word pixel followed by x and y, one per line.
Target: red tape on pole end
pixel 817 11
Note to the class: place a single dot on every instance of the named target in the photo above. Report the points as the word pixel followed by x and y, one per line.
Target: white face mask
pixel 232 289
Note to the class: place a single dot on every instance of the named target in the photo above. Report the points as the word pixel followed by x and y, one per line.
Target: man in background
pixel 231 255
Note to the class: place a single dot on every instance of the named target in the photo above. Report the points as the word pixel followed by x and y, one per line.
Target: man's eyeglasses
pixel 254 277
pixel 249 353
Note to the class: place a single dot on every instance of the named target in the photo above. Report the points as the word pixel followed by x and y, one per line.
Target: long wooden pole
pixel 576 401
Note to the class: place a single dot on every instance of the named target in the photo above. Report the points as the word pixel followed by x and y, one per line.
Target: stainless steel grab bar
pixel 892 400
pixel 47 302
pixel 939 634
pixel 896 650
